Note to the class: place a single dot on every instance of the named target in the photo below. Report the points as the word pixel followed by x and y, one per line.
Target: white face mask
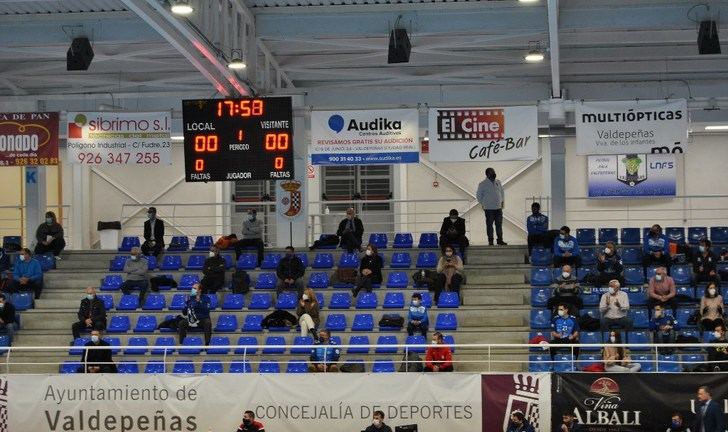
pixel 565 275
pixel 134 257
pixel 607 251
pixel 434 341
pixel 702 249
pixel 612 339
pixel 211 254
pixel 94 339
pixel 369 252
pixel 376 422
pixel 717 334
pixel 658 277
pixel 613 290
pixel 562 313
pixel 562 236
pixel 658 314
pixel 711 291
pixel 415 302
pixel 448 254
pixel 305 297
pixel 22 257
pixel 251 217
pixel 453 219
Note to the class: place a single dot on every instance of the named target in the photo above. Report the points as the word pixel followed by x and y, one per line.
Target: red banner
pixel 28 139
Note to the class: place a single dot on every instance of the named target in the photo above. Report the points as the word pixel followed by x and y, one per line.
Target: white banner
pixel 625 127
pixel 119 138
pixel 483 134
pixel 292 403
pixel 365 137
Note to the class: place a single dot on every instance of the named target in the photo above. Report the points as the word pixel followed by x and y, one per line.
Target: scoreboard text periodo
pixel 238 139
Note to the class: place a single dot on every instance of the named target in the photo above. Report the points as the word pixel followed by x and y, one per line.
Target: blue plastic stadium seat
pixel 128 302
pixel 128 367
pixel 287 300
pixel 171 263
pixel 318 280
pixel 145 324
pixel 539 363
pixel 583 272
pixel 247 262
pixel 695 234
pixel 379 240
pixel 589 337
pixel 115 343
pixel 587 360
pixel 637 296
pixel 129 242
pixel 299 343
pixel 226 323
pixel 228 261
pixel 676 234
pixel 401 260
pixel 152 263
pixel 340 300
pixel 639 337
pixel 686 294
pixel 297 367
pixel 195 262
pixel 183 367
pixel 426 298
pixel 216 342
pixel 154 367
pixel 266 281
pixel 140 344
pixel 402 241
pixel 233 302
pixel 366 300
pixel 719 234
pixel 270 261
pixel 689 361
pixel 383 344
pixel 540 296
pixel 178 302
pixel 274 340
pixel 358 340
pixel 682 316
pixel 69 367
pixel 446 321
pixel 323 260
pixel 269 366
pixel 541 257
pixel 76 349
pixel 202 243
pixel 640 318
pixel 349 260
pixel 107 299
pixel 393 300
pixel 426 260
pixel 253 323
pixel 416 340
pixel 191 341
pixel 111 283
pixel 164 344
pixel 154 302
pixel 187 281
pixel 630 236
pixel 586 236
pixel 397 279
pixel 588 256
pixel 321 237
pixel 335 322
pixel 707 338
pixel 247 345
pixel 428 241
pixel 541 276
pixel 682 274
pixel 118 324
pixel 668 363
pixel 563 363
pixel 260 301
pixel 304 258
pixel 178 244
pixel 240 367
pixel 22 301
pixel 117 263
pixel 607 234
pixel 211 367
pixel 646 361
pixel 634 275
pixel 540 319
pixel 449 300
pixel 590 296
pixel 631 256
pixel 363 322
pixel 650 272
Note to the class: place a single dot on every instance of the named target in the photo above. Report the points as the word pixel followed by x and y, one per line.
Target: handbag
pixel 346 275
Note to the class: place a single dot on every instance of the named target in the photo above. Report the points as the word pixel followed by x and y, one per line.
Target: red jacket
pixel 439 356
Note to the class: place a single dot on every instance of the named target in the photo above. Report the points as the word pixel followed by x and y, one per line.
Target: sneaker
pixel 58 258
pixel 502 243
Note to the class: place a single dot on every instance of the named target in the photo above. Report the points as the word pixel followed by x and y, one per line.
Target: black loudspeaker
pixel 406 428
pixel 708 42
pixel 79 55
pixel 399 46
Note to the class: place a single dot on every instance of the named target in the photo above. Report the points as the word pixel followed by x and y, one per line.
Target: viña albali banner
pixel 643 126
pixel 119 138
pixel 29 138
pixel 365 137
pixel 483 134
pixel 632 175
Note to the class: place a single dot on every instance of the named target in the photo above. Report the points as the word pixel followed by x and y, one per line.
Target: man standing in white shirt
pixel 492 199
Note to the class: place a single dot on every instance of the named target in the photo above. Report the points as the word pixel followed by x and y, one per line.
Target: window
pixel 372 182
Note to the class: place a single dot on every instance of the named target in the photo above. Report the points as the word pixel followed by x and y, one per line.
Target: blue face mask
pixel 675 424
pixel 193 292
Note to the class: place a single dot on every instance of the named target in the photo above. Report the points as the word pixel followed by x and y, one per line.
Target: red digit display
pixel 276 141
pixel 243 108
pixel 199 165
pixel 278 163
pixel 206 143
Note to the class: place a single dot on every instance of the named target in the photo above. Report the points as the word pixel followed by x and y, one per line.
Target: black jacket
pixel 612 264
pixel 358 228
pixel 708 263
pixel 214 267
pixel 93 309
pixel 713 420
pixel 290 268
pixel 373 263
pixel 98 357
pixel 4 260
pixel 384 428
pixel 158 231
pixel 44 230
pixel 447 225
pixel 7 313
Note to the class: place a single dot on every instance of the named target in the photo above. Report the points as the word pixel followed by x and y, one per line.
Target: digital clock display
pixel 238 139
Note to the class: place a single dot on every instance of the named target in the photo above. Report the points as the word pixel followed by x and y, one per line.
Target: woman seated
pixel 308 313
pixel 711 308
pixel 617 359
pixel 449 273
pixel 370 270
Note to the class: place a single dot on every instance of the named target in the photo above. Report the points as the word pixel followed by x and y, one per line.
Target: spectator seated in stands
pixel 325 356
pixel 664 328
pixel 8 325
pixel 91 314
pixel 614 306
pixel 452 232
pixel 378 423
pixel 566 249
pixel 4 264
pixel 370 271
pixel 252 235
pixel 711 308
pixel 49 236
pixel 350 231
pixel 153 234
pixel 656 248
pixel 609 265
pixel 661 290
pixel 307 311
pixel 717 357
pixel 567 291
pixel 564 330
pixel 250 424
pixel 677 423
pixel 97 357
pixel 537 225
pixel 213 272
pixel 438 357
pixel 705 264
pixel 27 275
pixel 290 270
pixel 449 273
pixel 518 423
pixel 417 319
pixel 569 422
pixel 196 314
pixel 617 359
pixel 136 269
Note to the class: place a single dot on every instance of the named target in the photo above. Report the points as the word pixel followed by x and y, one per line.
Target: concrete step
pixel 485 278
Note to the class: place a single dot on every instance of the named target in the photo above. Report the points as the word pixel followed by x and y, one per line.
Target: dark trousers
pixel 455 281
pixel 148 249
pixel 296 286
pixel 258 243
pixel 327 240
pixel 458 240
pixel 420 328
pixel 560 261
pixel 650 260
pixel 553 350
pixel 81 325
pixel 491 217
pixel 537 240
pixel 363 283
pixel 204 323
pixel 349 241
pixel 709 325
pixel 672 304
pixel 55 246
pixel 35 286
pixel 442 369
pixel 141 285
pixel 212 284
pixel 707 278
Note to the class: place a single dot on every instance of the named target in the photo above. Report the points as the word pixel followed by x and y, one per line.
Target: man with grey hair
pixel 614 307
pixel 350 231
pixel 492 199
pixel 252 235
pixel 136 268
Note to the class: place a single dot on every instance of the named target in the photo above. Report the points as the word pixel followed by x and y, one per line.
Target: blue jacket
pixel 666 318
pixel 525 427
pixel 713 420
pixel 418 313
pixel 30 269
pixel 654 244
pixel 537 224
pixel 328 352
pixel 565 327
pixel 201 308
pixel 569 244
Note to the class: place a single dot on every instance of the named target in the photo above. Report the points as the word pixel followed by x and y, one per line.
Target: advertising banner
pixel 365 137
pixel 483 134
pixel 119 138
pixel 644 126
pixel 632 175
pixel 525 392
pixel 289 201
pixel 29 138
pixel 300 403
pixel 631 402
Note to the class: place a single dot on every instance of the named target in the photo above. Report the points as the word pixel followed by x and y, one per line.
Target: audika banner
pixel 641 402
pixel 28 138
pixel 529 393
pixel 119 138
pixel 201 403
pixel 632 175
pixel 364 137
pixel 642 126
pixel 483 134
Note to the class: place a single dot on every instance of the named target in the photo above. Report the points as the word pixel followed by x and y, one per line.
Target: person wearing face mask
pixel 27 274
pixel 449 273
pixel 677 423
pixel 452 232
pixel 656 248
pixel 370 271
pixel 566 249
pixel 417 319
pixel 705 263
pixel 664 328
pixel 617 359
pixel 438 356
pixel 492 199
pixel 252 235
pixel 213 272
pixel 196 314
pixel 91 314
pixel 290 270
pixel 518 423
pixel 325 356
pixel 96 356
pixel 564 330
pixel 661 290
pixel 153 234
pixel 250 424
pixel 614 308
pixel 378 423
pixel 569 423
pixel 609 265
pixel 567 291
pixel 136 269
pixel 7 317
pixel 711 308
pixel 718 357
pixel 49 236
pixel 307 311
pixel 350 231
pixel 537 225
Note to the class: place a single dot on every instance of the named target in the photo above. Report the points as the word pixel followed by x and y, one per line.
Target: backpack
pixel 391 320
pixel 354 367
pixel 240 282
pixel 411 362
pixel 426 278
pixel 588 323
